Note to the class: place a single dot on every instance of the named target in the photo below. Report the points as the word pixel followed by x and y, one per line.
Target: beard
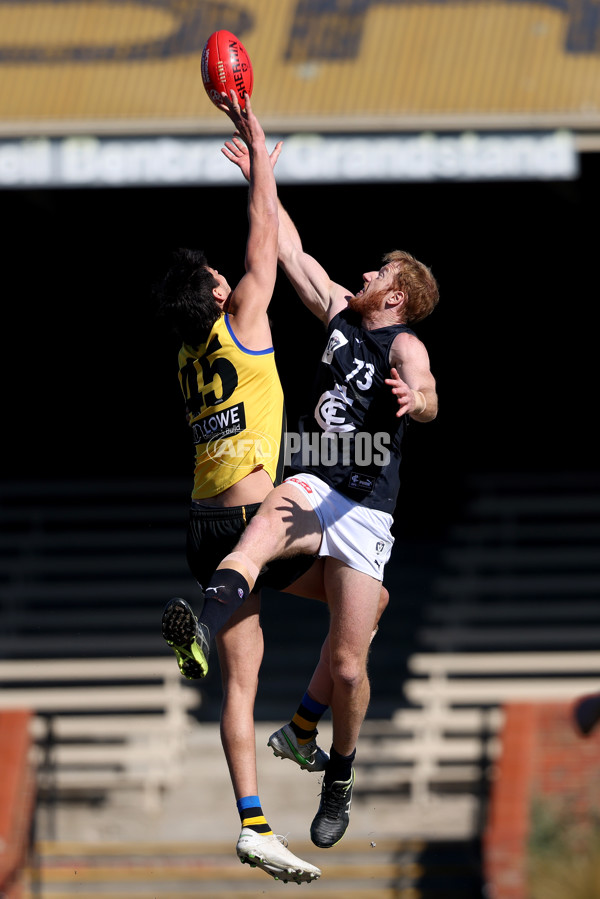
pixel 367 303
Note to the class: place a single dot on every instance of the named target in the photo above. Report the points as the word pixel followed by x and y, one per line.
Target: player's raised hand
pixel 247 125
pixel 404 395
pixel 237 152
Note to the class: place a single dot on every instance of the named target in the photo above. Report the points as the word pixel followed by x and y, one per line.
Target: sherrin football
pixel 226 66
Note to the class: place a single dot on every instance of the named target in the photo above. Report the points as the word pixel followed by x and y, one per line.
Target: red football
pixel 226 66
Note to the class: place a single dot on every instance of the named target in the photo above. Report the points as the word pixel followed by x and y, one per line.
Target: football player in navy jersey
pixel 338 503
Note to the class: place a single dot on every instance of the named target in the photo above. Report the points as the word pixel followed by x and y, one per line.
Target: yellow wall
pixel 134 65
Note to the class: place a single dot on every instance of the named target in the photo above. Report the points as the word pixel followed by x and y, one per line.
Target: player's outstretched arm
pixel 411 379
pixel 313 285
pixel 254 291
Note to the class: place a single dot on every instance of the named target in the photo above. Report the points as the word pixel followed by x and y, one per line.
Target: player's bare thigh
pixel 285 525
pixel 310 585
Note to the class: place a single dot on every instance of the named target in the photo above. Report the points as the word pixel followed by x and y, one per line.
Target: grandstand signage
pixel 123 162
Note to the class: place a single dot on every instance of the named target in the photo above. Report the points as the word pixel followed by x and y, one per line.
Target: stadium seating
pixel 102 724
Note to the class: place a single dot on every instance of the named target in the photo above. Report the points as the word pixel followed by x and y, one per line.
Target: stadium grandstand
pixel 468 132
pixel 95 92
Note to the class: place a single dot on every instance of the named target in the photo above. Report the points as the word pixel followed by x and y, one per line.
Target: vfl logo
pixel 380 546
pixel 336 340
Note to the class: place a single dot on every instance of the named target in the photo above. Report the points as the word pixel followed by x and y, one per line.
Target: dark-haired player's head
pixel 191 296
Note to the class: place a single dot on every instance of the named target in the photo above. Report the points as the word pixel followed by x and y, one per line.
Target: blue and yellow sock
pixel 307 716
pixel 251 815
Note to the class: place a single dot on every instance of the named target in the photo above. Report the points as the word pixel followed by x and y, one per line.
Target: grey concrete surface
pixel 201 806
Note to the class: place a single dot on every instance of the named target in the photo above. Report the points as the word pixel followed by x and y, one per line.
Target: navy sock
pixel 226 591
pixel 339 767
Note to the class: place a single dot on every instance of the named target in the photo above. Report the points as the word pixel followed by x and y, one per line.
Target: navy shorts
pixel 213 533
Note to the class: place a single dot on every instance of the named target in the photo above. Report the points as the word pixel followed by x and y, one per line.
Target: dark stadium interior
pixel 91 394
pixel 90 382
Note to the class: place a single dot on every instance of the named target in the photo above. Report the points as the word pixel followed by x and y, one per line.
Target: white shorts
pixel 356 535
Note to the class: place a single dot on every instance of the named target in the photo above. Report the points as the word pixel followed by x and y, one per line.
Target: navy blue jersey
pixel 353 437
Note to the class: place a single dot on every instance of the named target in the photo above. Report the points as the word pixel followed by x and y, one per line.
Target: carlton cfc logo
pixel 331 410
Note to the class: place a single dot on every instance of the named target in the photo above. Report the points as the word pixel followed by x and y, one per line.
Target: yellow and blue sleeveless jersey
pixel 235 403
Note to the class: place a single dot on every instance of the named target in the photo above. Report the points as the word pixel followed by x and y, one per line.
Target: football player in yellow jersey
pixel 235 405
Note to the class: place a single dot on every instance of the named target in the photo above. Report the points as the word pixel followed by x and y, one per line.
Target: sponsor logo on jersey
pixel 229 442
pixel 221 424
